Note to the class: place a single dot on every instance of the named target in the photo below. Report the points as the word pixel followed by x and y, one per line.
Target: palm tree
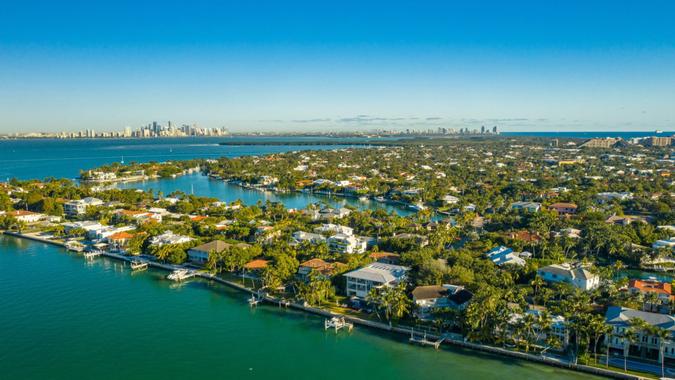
pixel 536 283
pixel 629 336
pixel 664 337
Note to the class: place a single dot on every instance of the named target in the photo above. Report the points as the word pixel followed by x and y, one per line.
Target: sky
pixel 338 65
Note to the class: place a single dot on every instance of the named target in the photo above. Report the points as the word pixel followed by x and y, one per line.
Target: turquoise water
pixel 63 318
pixel 205 186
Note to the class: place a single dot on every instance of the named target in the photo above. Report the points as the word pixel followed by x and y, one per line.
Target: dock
pixel 423 341
pixel 92 254
pixel 138 265
pixel 181 275
pixel 337 323
pixel 253 301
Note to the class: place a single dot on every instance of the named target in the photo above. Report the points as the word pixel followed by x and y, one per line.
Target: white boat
pixel 418 207
pixel 363 199
pixel 380 199
pixel 179 275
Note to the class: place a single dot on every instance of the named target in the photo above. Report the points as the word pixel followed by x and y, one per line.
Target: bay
pixel 62 317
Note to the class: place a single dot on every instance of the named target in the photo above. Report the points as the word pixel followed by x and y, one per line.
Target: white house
pixel 79 206
pixel 26 216
pixel 360 281
pixel 300 237
pixel 663 244
pixel 169 237
pixel 576 276
pixel 334 229
pixel 342 243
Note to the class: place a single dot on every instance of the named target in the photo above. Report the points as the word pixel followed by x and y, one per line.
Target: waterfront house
pixel 346 244
pixel 120 240
pixel 658 294
pixel 323 268
pixel 200 254
pixel 360 281
pixel 646 345
pixel 558 327
pixel 525 206
pixel 432 298
pixel 255 267
pixel 504 255
pixel 26 216
pixel 665 244
pixel 79 206
pixel 169 237
pixel 574 275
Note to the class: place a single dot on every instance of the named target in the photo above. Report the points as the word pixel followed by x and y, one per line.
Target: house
pixel 418 240
pixel 563 208
pixel 645 346
pixel 78 207
pixel 169 237
pixel 256 265
pixel 574 275
pixel 661 291
pixel 450 200
pixel 362 280
pixel 342 243
pixel 437 297
pixel 26 216
pixel 571 233
pixel 300 237
pixel 625 220
pixel 323 268
pixel 265 234
pixel 200 254
pixel 334 229
pixel 665 244
pixel 120 240
pixel 328 213
pixel 386 257
pixel 138 215
pixel 503 255
pixel 526 236
pixel 610 196
pixel 558 327
pixel 526 206
pixel 104 232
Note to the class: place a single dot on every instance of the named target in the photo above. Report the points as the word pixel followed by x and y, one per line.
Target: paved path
pixel 617 361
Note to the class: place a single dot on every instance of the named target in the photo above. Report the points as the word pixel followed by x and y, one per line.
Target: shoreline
pixel 400 330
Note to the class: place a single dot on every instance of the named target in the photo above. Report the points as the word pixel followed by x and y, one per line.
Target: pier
pixel 337 323
pixel 138 265
pixel 423 341
pixel 92 254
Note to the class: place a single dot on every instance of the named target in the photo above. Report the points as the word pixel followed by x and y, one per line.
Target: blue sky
pixel 303 65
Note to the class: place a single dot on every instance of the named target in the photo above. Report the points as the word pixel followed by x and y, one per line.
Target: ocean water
pixel 62 317
pixel 40 158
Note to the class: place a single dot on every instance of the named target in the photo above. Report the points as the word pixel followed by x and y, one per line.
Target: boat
pixel 74 246
pixel 380 199
pixel 658 131
pixel 91 254
pixel 138 265
pixel 180 275
pixel 337 323
pixel 363 198
pixel 418 207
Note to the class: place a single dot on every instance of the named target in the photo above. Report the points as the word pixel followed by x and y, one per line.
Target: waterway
pixel 62 317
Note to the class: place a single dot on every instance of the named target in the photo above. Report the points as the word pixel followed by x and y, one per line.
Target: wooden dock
pixel 138 265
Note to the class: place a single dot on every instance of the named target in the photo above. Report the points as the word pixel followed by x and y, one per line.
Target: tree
pixel 629 336
pixel 318 290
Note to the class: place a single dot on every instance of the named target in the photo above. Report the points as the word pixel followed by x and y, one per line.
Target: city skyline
pixel 302 66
